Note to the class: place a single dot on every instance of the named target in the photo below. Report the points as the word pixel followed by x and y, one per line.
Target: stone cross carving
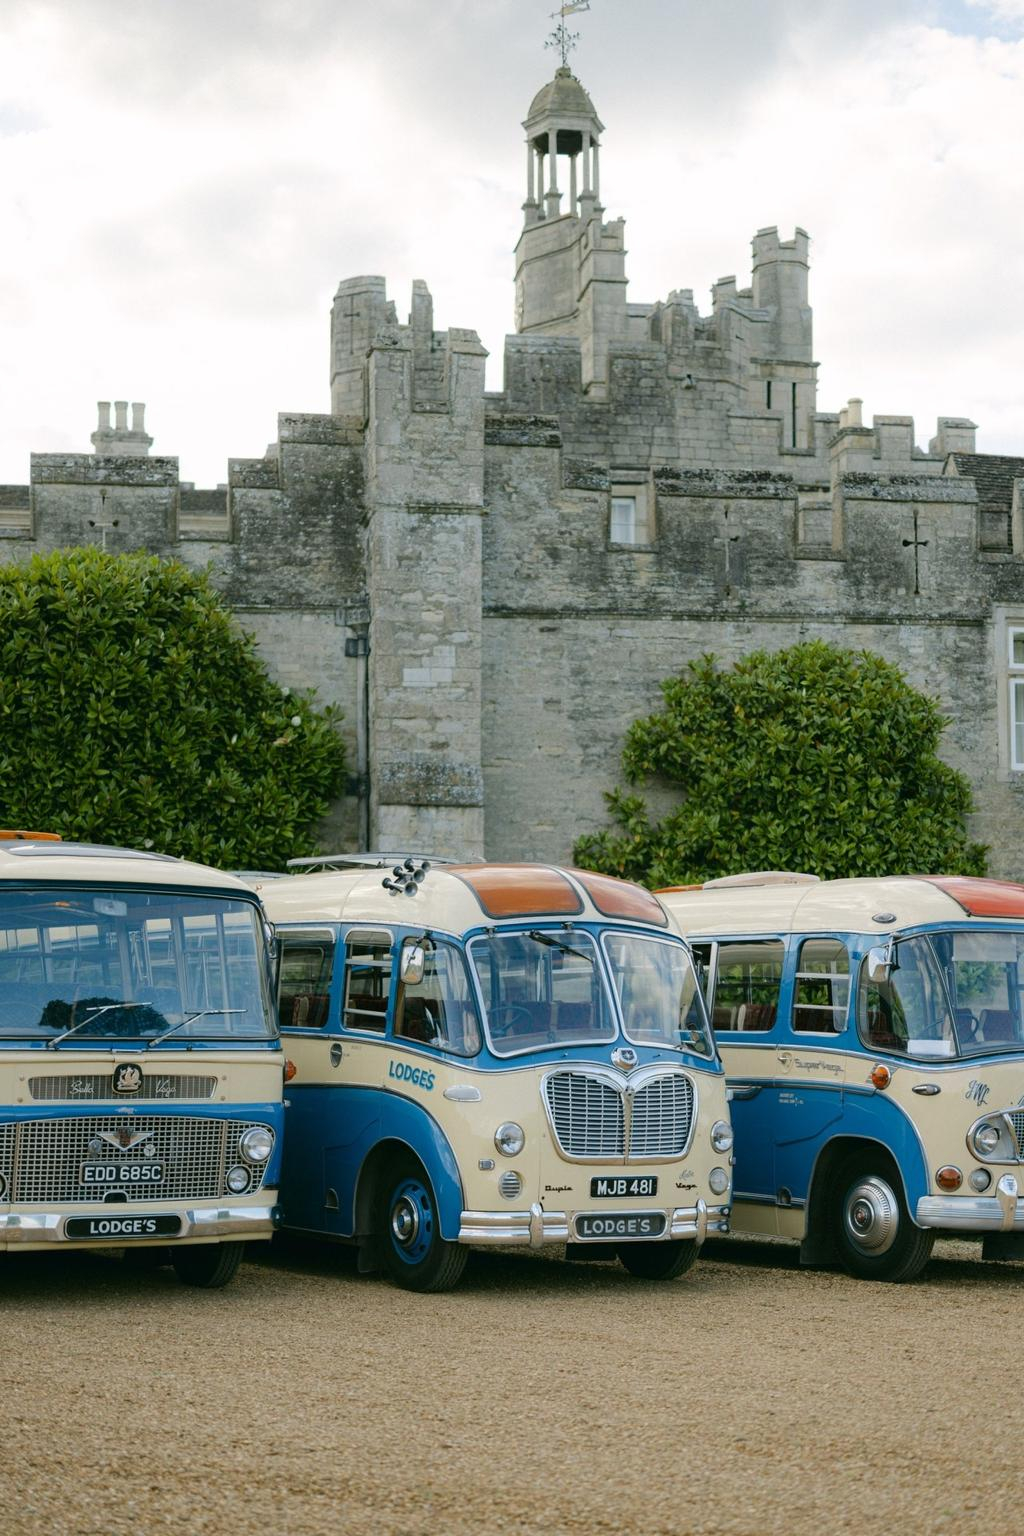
pixel 103 525
pixel 917 544
pixel 561 38
pixel 727 540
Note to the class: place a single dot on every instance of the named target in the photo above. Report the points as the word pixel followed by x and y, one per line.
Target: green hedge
pixel 134 711
pixel 814 758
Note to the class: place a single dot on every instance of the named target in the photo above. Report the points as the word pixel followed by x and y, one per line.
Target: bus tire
pixel 414 1254
pixel 871 1226
pixel 208 1265
pixel 659 1261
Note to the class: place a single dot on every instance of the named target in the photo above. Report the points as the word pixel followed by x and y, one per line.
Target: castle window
pixel 1016 682
pixel 624 520
pixel 630 522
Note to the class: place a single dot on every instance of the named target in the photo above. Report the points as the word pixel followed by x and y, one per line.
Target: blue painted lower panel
pixel 330 1132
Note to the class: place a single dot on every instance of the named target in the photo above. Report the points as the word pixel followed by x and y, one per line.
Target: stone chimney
pixel 120 439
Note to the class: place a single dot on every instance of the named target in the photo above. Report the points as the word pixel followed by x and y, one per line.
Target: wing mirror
pixel 414 960
pixel 882 962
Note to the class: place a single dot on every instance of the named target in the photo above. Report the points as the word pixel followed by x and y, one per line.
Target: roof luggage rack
pixel 371 860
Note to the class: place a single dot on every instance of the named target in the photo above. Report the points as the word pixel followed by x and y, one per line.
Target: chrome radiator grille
pixel 1016 1119
pixel 6 1160
pixel 587 1114
pixel 48 1156
pixel 100 1085
pixel 662 1117
pixel 593 1118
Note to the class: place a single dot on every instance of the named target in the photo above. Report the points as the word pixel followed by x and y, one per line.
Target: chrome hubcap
pixel 871 1215
pixel 405 1221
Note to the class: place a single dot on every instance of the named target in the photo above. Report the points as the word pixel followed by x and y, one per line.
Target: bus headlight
pixel 984 1138
pixel 721 1136
pixel 256 1144
pixel 510 1139
pixel 237 1180
pixel 718 1180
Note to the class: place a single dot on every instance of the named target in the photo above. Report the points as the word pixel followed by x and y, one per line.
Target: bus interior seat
pixel 574 1018
pixel 756 1016
pixel 997 1024
pixel 308 1010
pixel 420 1020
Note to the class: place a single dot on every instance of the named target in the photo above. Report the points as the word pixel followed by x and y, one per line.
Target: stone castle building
pixel 492 585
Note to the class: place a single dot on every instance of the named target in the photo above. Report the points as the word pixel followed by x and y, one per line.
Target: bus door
pixel 743 984
pixel 811 1064
pixel 334 999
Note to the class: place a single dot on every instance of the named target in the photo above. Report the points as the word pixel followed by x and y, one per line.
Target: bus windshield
pixel 658 992
pixel 956 993
pixel 542 989
pixel 77 966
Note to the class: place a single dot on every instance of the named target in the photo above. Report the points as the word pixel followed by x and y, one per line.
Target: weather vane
pixel 561 38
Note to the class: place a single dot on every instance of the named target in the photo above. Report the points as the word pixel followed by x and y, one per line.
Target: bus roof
pixel 58 863
pixel 870 905
pixel 457 897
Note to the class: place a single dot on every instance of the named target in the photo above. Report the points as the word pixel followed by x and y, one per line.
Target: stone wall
pixel 466 539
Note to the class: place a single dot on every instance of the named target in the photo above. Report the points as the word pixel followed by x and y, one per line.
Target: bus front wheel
pixel 871 1225
pixel 208 1265
pixel 415 1255
pixel 659 1261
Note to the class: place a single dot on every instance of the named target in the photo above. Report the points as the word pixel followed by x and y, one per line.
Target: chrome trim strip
pixel 1008 1130
pixel 249 1221
pixel 537 1227
pixel 1001 1212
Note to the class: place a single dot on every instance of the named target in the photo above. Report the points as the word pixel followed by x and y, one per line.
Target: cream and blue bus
pixel 489 1054
pixel 141 1071
pixel 873 1038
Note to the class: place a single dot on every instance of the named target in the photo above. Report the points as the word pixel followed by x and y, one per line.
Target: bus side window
pixel 822 993
pixel 304 992
pixel 367 981
pixel 748 978
pixel 439 1010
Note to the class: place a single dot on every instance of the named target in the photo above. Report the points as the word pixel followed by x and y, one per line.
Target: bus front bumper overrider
pixel 1001 1212
pixel 538 1226
pixel 206 1224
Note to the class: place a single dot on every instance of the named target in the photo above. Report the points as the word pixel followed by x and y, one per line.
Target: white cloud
pixel 1002 10
pixel 185 184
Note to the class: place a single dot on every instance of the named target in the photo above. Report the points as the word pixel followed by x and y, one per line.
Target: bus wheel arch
pixel 858 1214
pixel 398 1222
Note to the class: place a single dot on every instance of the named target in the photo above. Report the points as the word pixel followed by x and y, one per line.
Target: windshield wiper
pixel 552 943
pixel 92 1015
pixel 202 1014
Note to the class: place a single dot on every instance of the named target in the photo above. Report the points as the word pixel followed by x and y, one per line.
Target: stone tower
pixel 570 267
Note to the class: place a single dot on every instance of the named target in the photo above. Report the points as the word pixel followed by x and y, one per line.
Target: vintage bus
pixel 873 1038
pixel 486 1054
pixel 141 1071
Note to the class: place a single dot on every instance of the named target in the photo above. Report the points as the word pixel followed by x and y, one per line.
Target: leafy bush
pixel 814 758
pixel 133 711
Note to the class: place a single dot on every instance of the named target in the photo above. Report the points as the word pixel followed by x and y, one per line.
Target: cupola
pixel 562 126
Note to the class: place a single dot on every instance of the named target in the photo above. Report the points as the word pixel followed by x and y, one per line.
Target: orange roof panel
pixel 519 890
pixel 981 898
pixel 620 898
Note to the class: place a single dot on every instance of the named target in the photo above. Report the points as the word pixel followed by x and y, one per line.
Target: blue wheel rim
pixel 411 1221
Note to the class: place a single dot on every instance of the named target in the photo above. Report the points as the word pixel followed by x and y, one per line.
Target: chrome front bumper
pixel 249 1222
pixel 538 1226
pixel 1001 1212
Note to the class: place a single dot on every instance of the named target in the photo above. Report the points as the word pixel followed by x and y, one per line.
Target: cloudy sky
pixel 184 182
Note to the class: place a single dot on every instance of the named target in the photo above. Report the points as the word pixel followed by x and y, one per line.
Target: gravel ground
pixel 746 1397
